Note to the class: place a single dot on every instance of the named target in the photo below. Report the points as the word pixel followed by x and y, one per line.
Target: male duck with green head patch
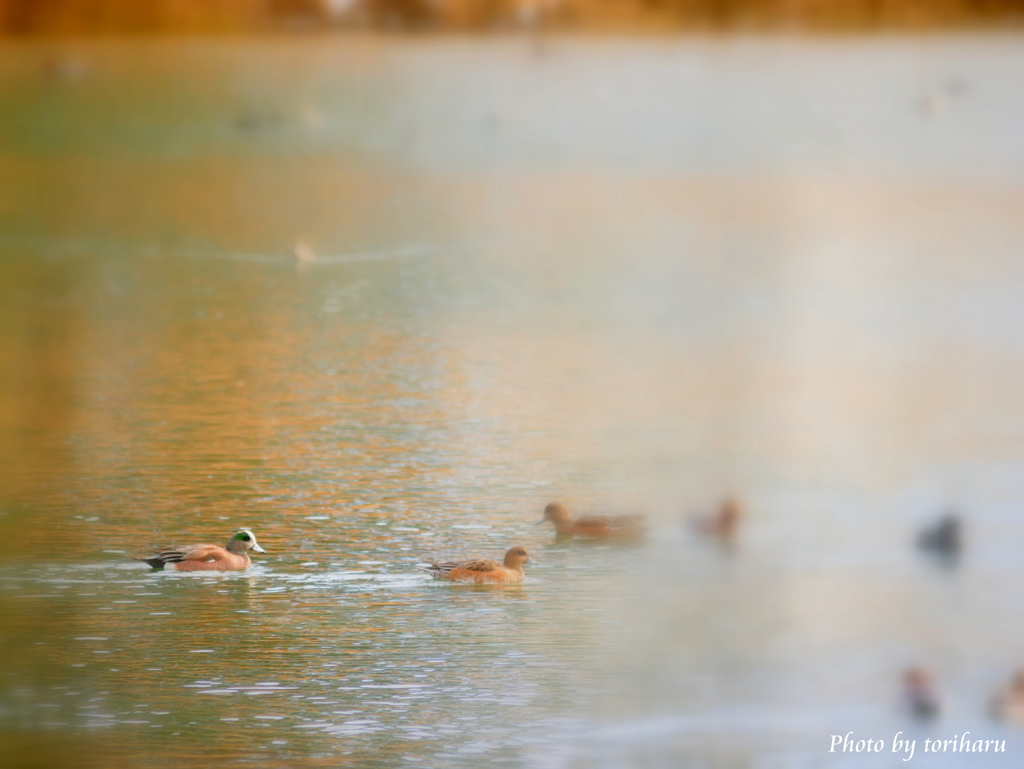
pixel 232 557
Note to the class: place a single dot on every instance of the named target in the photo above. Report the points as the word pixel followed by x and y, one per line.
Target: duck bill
pixel 530 560
pixel 257 549
pixel 542 521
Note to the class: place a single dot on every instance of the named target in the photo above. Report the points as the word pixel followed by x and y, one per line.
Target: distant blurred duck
pixel 483 571
pixel 723 523
pixel 235 555
pixel 303 254
pixel 920 694
pixel 945 536
pixel 592 526
pixel 1008 703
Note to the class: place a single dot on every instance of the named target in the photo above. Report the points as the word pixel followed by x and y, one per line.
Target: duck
pixel 592 526
pixel 723 523
pixel 920 693
pixel 944 537
pixel 483 571
pixel 1008 702
pixel 302 253
pixel 233 556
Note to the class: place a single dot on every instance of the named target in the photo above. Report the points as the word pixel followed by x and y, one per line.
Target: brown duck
pixel 483 571
pixel 592 526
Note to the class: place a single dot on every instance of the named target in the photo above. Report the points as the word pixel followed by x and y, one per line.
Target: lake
pixel 633 275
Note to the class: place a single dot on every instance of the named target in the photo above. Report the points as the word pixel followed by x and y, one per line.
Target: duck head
pixel 242 541
pixel 555 512
pixel 517 556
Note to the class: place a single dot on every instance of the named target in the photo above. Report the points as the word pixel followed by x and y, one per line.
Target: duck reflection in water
pixel 231 557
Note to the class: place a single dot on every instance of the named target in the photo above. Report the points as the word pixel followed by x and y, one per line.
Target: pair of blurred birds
pixel 925 701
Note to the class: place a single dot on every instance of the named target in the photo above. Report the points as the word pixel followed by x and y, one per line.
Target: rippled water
pixel 633 276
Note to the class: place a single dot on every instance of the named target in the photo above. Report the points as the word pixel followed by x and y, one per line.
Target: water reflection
pixel 490 320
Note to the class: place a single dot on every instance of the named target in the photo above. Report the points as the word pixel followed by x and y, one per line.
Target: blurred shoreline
pixel 103 17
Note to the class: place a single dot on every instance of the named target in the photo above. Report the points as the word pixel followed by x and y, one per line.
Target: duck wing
pixel 447 567
pixel 479 565
pixel 186 553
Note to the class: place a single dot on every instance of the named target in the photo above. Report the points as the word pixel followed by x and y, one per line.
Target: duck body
pixel 483 571
pixel 920 693
pixel 723 523
pixel 1008 703
pixel 592 526
pixel 945 537
pixel 233 557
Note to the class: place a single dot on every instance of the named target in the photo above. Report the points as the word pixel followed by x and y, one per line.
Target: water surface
pixel 629 275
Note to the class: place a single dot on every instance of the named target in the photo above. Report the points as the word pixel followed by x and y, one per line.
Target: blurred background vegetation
pixel 142 16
